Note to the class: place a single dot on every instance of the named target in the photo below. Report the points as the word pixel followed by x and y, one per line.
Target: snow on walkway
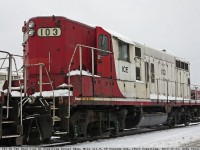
pixel 166 138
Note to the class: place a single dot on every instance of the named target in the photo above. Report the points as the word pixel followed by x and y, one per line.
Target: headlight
pixel 31 32
pixel 31 24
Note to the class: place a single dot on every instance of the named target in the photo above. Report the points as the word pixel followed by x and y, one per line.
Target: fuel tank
pixel 145 120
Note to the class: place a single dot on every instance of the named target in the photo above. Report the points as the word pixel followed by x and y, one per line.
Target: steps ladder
pixel 10 116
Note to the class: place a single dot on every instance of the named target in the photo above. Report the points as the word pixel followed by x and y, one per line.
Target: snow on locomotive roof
pixel 157 53
pixel 120 36
pixel 182 59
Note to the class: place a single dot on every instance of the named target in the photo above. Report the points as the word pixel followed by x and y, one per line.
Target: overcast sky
pixel 173 25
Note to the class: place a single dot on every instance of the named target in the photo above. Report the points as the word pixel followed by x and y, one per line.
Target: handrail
pixel 181 86
pixel 80 57
pixel 21 119
pixel 178 89
pixel 40 82
pixel 4 61
pixel 11 59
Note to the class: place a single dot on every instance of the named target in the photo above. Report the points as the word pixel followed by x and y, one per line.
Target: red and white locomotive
pixel 82 81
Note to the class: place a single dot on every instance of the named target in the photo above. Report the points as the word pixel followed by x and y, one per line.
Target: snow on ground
pixel 166 138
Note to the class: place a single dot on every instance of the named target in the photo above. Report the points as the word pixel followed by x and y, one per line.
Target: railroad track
pixel 56 142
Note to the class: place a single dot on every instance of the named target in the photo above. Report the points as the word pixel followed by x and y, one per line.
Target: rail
pixel 179 92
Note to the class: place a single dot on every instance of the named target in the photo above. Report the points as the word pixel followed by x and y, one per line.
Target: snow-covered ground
pixel 177 137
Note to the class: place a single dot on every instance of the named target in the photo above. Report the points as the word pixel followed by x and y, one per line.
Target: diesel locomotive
pixel 84 81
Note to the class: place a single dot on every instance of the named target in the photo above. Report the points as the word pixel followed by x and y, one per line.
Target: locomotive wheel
pixel 171 121
pixel 93 130
pixel 73 134
pixel 115 131
pixel 188 118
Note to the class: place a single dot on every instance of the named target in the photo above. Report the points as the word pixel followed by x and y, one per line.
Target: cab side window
pixel 123 51
pixel 103 44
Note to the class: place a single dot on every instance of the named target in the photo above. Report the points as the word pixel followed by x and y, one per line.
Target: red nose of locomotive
pixel 51 41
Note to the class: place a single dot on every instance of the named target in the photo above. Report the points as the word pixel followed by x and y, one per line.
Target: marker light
pixel 31 24
pixel 31 32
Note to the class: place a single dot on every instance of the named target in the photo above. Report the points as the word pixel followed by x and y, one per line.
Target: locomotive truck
pixel 84 81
